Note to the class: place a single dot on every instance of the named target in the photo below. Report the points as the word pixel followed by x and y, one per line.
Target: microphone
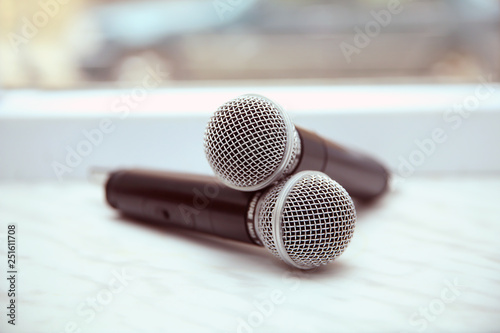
pixel 250 143
pixel 307 220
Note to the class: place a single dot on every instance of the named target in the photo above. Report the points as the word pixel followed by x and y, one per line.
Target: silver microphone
pixel 250 142
pixel 306 220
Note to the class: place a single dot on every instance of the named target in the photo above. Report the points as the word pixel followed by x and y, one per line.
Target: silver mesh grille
pixel 265 210
pixel 315 224
pixel 296 151
pixel 246 141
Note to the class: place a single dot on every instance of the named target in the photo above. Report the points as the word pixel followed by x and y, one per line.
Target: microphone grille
pixel 249 142
pixel 307 220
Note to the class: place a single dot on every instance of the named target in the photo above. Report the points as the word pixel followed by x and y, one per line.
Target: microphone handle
pixel 362 176
pixel 182 200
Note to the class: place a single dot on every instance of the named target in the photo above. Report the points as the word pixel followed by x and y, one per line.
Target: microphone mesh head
pixel 307 220
pixel 250 142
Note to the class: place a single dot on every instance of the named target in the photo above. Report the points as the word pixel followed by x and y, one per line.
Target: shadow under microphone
pixel 306 220
pixel 250 143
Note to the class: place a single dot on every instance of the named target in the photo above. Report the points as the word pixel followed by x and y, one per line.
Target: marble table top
pixel 425 258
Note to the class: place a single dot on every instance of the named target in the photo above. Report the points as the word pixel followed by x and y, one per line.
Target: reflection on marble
pixel 82 268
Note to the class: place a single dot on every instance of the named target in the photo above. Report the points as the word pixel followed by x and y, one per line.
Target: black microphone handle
pixel 183 200
pixel 362 176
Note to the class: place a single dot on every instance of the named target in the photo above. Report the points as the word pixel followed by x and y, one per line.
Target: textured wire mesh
pixel 296 151
pixel 317 222
pixel 266 209
pixel 245 140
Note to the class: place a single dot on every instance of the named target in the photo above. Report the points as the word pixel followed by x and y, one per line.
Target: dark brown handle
pixel 362 176
pixel 183 200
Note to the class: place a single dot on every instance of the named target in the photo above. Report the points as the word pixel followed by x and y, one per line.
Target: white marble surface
pixel 407 250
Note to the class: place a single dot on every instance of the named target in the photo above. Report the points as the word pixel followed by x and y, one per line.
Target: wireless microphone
pixel 250 143
pixel 306 220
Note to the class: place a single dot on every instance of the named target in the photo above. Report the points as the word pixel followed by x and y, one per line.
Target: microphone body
pixel 188 201
pixel 306 220
pixel 362 176
pixel 250 143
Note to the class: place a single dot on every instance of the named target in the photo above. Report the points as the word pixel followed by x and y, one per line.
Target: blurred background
pixel 59 44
